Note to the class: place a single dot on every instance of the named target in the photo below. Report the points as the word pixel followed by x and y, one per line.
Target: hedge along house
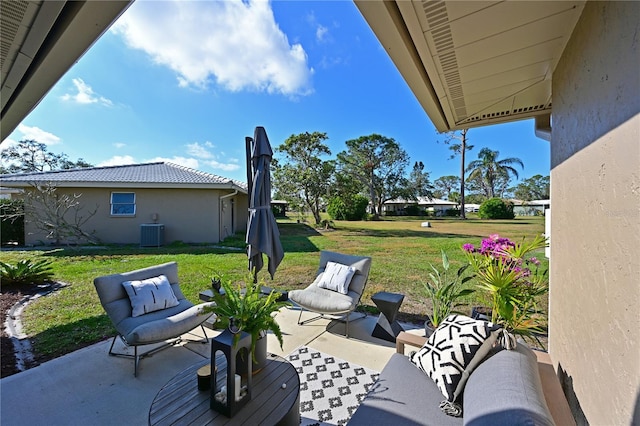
pixel 480 63
pixel 133 202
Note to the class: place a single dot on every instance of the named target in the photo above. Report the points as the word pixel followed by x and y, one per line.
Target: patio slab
pixel 90 387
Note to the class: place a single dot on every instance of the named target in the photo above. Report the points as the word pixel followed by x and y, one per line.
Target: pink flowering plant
pixel 511 276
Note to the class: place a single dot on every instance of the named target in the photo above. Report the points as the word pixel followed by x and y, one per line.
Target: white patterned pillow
pixel 337 277
pixel 457 346
pixel 152 294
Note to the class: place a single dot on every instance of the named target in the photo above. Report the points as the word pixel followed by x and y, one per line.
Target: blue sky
pixel 187 81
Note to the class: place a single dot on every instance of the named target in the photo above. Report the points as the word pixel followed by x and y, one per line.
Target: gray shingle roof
pixel 148 174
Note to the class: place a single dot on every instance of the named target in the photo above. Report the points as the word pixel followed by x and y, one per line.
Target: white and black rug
pixel 330 388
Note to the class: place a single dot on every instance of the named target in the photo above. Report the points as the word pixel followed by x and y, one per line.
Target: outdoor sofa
pixel 515 387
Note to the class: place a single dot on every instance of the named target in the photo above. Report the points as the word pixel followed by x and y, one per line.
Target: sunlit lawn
pixel 401 250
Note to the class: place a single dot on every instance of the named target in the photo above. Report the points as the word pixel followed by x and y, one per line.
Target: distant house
pixel 192 206
pixel 435 206
pixel 530 208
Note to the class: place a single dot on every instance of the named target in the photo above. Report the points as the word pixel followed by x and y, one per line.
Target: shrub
pixel 496 208
pixel 348 208
pixel 12 221
pixel 26 272
pixel 452 212
pixel 412 210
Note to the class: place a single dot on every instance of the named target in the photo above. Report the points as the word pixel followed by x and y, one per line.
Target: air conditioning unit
pixel 151 235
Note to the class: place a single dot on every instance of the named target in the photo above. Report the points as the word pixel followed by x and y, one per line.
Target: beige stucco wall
pixel 189 215
pixel 595 227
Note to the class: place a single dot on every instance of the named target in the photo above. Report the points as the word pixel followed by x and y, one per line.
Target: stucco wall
pixel 595 226
pixel 189 215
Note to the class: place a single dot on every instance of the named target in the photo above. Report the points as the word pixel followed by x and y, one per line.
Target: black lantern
pixel 230 391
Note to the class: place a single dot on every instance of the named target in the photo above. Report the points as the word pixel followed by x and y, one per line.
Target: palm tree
pixel 489 169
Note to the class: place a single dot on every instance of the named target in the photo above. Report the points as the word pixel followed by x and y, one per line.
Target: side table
pixel 387 327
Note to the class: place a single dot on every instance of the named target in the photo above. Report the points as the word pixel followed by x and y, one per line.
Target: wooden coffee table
pixel 180 401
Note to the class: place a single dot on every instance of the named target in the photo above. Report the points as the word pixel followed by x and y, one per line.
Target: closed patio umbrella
pixel 262 230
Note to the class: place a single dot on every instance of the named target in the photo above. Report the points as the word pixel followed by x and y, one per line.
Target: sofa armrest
pixel 405 338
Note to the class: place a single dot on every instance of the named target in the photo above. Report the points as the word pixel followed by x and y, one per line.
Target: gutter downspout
pixel 220 202
pixel 543 127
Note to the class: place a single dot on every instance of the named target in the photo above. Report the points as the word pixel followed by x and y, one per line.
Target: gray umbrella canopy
pixel 262 230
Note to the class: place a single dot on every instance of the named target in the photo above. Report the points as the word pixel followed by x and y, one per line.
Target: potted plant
pixel 509 274
pixel 444 290
pixel 252 312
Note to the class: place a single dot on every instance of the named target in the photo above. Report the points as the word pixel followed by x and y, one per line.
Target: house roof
pixel 423 201
pixel 472 63
pixel 148 175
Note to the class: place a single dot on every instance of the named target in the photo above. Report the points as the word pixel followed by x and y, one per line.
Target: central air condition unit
pixel 151 235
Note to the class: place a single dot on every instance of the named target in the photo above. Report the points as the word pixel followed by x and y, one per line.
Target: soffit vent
pixel 438 19
pixel 515 111
pixel 12 15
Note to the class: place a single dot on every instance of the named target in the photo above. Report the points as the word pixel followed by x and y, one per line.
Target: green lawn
pixel 401 250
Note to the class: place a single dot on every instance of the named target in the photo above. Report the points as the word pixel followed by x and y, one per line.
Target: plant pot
pixel 481 313
pixel 259 357
pixel 428 329
pixel 260 354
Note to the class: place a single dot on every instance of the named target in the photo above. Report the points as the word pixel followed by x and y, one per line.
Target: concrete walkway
pixel 89 387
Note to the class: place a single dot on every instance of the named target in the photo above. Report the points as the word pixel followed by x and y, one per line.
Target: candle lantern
pixel 230 390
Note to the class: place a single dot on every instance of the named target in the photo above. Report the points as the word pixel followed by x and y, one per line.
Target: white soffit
pixel 481 62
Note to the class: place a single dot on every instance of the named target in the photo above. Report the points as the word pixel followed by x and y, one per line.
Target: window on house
pixel 123 203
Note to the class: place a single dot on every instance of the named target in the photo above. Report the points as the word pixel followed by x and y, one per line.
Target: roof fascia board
pixel 387 23
pixel 121 185
pixel 77 27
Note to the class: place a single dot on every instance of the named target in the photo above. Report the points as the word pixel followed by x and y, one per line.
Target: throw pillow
pixel 449 356
pixel 152 294
pixel 337 277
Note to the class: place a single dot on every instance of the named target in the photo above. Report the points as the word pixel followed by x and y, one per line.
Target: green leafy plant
pixel 26 272
pixel 510 275
pixel 444 289
pixel 496 208
pixel 252 311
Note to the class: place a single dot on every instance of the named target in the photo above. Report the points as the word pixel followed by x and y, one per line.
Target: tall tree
pixel 445 185
pixel 491 171
pixel 29 156
pixel 419 183
pixel 378 163
pixel 304 178
pixel 533 188
pixel 457 142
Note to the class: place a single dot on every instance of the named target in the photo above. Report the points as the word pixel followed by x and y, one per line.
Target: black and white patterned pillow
pixel 453 351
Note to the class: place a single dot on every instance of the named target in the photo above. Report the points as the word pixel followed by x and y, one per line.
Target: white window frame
pixel 114 205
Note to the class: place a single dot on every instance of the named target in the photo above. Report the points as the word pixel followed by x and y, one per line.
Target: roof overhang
pixel 41 40
pixel 473 63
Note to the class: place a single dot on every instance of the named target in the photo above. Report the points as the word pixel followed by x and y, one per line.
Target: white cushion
pixel 336 277
pixel 452 352
pixel 152 294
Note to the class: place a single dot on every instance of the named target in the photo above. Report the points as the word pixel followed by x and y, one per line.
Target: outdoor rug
pixel 330 388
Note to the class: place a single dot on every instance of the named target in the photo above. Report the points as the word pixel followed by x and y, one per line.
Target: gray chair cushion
pixel 316 299
pixel 403 395
pixel 506 390
pixel 155 326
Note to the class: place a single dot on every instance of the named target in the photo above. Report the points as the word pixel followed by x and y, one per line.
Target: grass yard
pixel 401 250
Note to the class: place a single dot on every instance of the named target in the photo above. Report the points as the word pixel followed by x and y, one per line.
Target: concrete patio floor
pixel 89 387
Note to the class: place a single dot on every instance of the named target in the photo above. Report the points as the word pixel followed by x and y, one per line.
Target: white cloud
pixel 200 150
pixel 119 145
pixel 227 167
pixel 204 153
pixel 117 160
pixel 85 94
pixel 182 161
pixel 321 33
pixel 38 135
pixel 238 44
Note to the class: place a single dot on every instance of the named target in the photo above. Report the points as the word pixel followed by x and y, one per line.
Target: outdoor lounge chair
pixel 329 302
pixel 163 325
